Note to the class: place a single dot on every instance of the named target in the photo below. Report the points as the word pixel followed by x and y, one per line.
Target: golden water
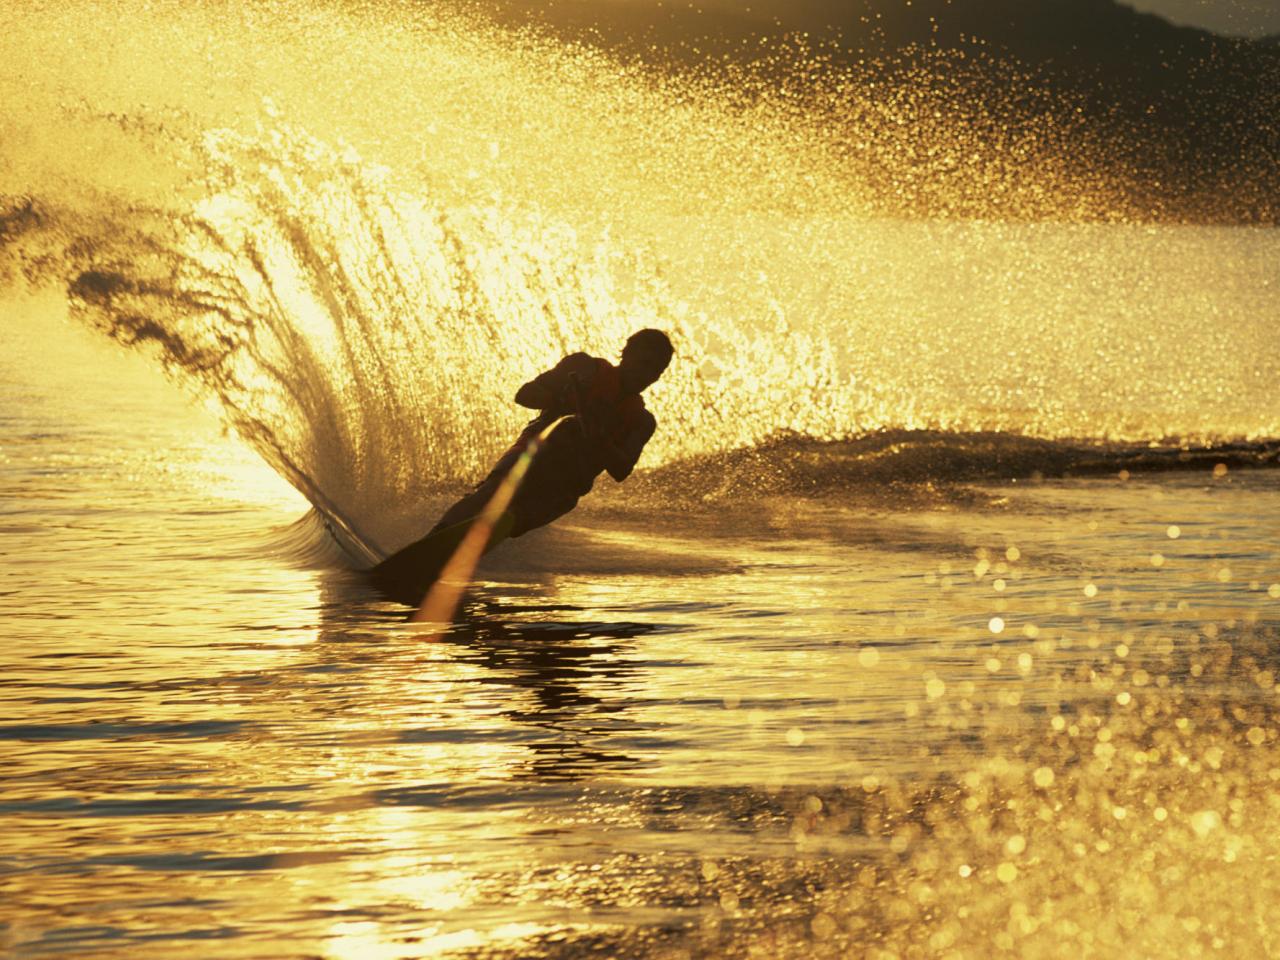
pixel 791 701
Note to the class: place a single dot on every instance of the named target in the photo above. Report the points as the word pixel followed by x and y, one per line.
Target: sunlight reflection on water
pixel 994 726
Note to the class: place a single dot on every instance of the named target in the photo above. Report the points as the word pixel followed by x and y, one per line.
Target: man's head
pixel 645 356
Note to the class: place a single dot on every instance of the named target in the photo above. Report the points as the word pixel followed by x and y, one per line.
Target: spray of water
pixel 361 230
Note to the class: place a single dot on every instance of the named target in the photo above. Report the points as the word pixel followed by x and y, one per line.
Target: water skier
pixel 607 430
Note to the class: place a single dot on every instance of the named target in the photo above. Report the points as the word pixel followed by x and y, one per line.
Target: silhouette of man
pixel 608 429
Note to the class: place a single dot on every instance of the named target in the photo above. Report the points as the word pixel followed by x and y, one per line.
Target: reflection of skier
pixel 607 430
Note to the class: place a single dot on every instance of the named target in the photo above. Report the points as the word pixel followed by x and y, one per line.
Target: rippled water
pixel 1011 716
pixel 939 621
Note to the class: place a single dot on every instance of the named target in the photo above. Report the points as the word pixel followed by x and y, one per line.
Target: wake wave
pixel 900 469
pixel 859 467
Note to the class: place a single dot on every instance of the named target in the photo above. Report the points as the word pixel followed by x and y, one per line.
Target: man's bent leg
pixel 468 507
pixel 532 513
pixel 551 487
pixel 474 502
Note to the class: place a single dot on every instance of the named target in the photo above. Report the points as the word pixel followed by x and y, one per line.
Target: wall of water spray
pixel 362 228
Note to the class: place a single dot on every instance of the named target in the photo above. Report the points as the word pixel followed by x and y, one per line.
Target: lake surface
pixel 939 620
pixel 1025 716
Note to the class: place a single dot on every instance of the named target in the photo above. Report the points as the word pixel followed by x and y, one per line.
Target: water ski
pixel 408 574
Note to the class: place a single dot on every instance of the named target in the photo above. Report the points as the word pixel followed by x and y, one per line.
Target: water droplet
pixel 1205 822
pixel 823 926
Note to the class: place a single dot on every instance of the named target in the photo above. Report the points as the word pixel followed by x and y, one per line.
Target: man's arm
pixel 620 458
pixel 552 390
